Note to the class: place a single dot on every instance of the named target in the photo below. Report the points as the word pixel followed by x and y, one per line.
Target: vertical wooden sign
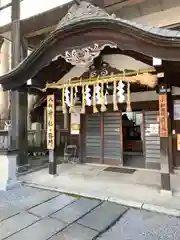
pixel 163 115
pixel 178 142
pixel 50 122
pixel 75 121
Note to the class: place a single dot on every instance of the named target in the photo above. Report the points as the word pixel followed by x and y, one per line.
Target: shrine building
pixel 108 86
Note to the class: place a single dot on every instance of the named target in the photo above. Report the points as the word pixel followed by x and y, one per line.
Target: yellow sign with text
pixel 50 122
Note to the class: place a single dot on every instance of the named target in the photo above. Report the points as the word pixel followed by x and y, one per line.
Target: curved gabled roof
pixel 87 11
pixel 86 24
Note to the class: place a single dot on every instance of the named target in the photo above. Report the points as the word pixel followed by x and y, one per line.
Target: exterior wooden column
pixel 121 140
pixel 165 133
pixel 51 133
pixel 18 97
pixel 81 139
pixel 102 138
pixel 4 68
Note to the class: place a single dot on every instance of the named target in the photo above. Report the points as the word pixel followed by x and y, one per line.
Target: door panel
pixel 112 139
pixel 93 138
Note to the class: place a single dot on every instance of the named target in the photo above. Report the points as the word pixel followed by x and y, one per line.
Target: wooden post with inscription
pixel 51 133
pixel 164 119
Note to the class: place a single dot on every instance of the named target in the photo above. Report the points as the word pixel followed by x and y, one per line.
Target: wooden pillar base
pixel 165 181
pixel 52 163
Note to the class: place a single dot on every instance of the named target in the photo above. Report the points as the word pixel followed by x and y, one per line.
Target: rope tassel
pixel 64 108
pixel 103 106
pixel 95 110
pixel 83 108
pixel 71 101
pixel 115 106
pixel 128 109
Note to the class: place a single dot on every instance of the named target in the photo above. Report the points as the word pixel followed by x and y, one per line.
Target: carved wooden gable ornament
pixel 78 13
pixel 83 11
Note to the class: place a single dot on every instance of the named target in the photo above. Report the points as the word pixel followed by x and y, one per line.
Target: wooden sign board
pixel 178 142
pixel 163 116
pixel 75 121
pixel 50 122
pixel 176 110
pixel 152 130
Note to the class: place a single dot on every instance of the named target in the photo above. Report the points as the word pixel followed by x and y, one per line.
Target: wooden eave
pixel 142 41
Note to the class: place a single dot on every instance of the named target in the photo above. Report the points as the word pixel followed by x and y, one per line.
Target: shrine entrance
pixel 72 67
pixel 133 139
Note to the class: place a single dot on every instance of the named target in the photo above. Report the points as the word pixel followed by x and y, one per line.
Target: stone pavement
pixel 140 189
pixel 31 213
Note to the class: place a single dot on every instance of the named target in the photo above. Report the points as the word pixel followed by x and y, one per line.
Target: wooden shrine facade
pixel 80 39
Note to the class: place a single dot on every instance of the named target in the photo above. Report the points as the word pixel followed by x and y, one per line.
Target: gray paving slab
pixel 25 197
pixel 7 210
pixel 34 199
pixel 42 230
pixel 76 210
pixel 143 225
pixel 16 223
pixel 103 216
pixel 18 193
pixel 75 232
pixel 53 205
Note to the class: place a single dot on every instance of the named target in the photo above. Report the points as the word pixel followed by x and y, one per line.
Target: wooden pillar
pixel 81 139
pixel 102 138
pixel 165 134
pixel 51 133
pixel 4 68
pixel 18 97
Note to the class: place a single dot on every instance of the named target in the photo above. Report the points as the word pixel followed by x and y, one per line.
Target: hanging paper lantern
pixel 120 93
pixel 67 97
pixel 88 96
